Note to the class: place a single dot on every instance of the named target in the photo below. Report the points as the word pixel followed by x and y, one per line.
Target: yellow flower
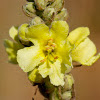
pixel 52 52
pixel 53 49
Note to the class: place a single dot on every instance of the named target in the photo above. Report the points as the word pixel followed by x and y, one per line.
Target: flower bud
pixel 67 95
pixel 41 4
pixel 57 5
pixel 69 81
pixel 29 9
pixel 36 21
pixel 30 0
pixel 62 15
pixel 54 95
pixel 21 35
pixel 48 15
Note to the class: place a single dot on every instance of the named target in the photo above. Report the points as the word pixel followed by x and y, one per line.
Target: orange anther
pixel 56 57
pixel 43 60
pixel 53 45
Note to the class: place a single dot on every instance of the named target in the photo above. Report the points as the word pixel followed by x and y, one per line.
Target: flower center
pixel 50 51
pixel 51 46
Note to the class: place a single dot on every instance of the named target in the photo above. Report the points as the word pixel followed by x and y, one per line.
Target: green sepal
pixel 54 95
pixel 41 4
pixel 48 15
pixel 67 95
pixel 69 81
pixel 13 32
pixel 11 49
pixel 48 86
pixel 34 76
pixel 57 5
pixel 37 21
pixel 29 9
pixel 62 15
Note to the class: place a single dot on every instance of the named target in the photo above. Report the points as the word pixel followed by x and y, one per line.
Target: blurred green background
pixel 14 84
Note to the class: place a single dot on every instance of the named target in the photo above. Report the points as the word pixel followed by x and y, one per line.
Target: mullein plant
pixel 45 49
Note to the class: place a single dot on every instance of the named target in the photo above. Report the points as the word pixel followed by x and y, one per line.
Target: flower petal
pixel 92 60
pixel 67 64
pixel 44 70
pixel 37 32
pixel 65 54
pixel 29 57
pixel 56 77
pixel 78 35
pixel 11 49
pixel 13 32
pixel 84 53
pixel 59 31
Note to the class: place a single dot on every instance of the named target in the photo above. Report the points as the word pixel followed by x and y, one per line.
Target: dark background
pixel 14 84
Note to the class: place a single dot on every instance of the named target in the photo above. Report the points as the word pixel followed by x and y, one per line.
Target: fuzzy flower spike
pixel 54 50
pixel 46 50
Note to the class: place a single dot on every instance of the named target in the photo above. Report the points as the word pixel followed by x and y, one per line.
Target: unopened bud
pixel 48 15
pixel 36 21
pixel 21 35
pixel 29 9
pixel 67 95
pixel 30 0
pixel 62 15
pixel 40 4
pixel 54 95
pixel 57 5
pixel 69 81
